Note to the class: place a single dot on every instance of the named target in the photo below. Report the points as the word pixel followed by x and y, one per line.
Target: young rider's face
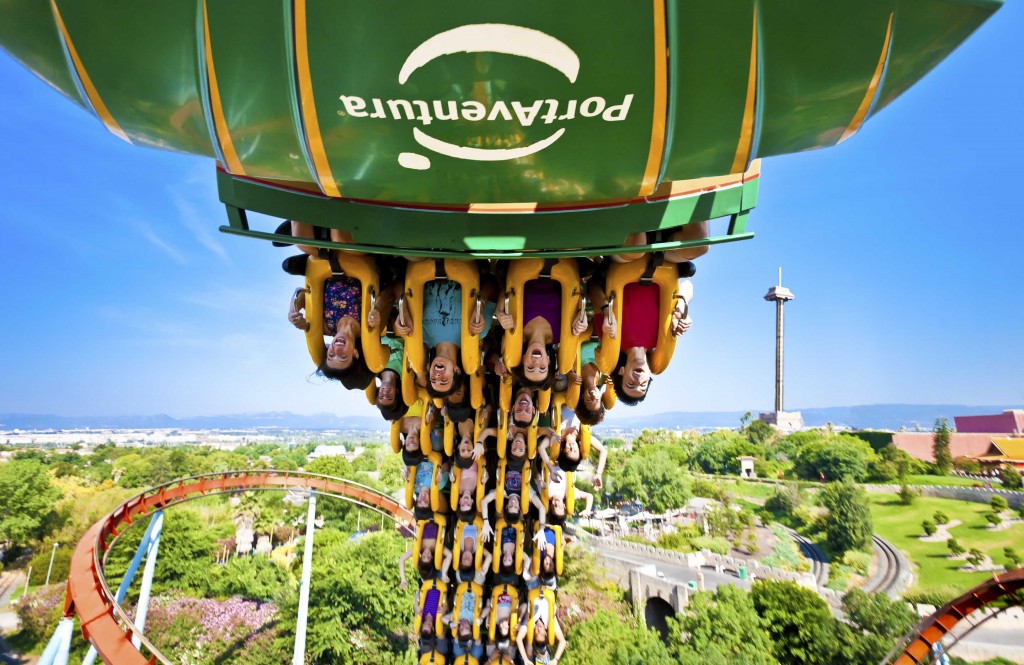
pixel 536 362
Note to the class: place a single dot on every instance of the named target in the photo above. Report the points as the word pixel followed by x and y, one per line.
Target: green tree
pixel 998 503
pixel 334 465
pixel 655 481
pixel 791 444
pixel 27 501
pixel 901 459
pixel 606 639
pixel 717 452
pixel 838 457
pixel 253 577
pixel 356 613
pixel 928 527
pixel 721 628
pixel 798 620
pixel 849 525
pixel 184 558
pixel 759 433
pixel 955 548
pixel 1012 556
pixel 283 462
pixel 881 622
pixel 391 472
pixel 940 447
pixel 940 517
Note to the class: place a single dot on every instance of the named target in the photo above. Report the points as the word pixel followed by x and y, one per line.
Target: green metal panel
pixel 926 31
pixel 572 87
pixel 250 43
pixel 708 85
pixel 28 33
pixel 357 51
pixel 141 56
pixel 818 62
pixel 593 231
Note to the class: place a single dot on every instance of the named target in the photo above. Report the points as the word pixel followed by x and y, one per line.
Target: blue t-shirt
pixel 442 313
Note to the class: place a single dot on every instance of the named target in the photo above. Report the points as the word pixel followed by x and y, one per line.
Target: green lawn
pixel 901 525
pixel 742 488
pixel 941 480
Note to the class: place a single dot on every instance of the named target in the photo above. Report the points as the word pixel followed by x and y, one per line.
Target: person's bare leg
pixel 632 240
pixel 696 231
pixel 337 235
pixel 303 230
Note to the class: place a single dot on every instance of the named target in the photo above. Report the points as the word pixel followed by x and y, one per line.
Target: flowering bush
pixel 40 612
pixel 196 631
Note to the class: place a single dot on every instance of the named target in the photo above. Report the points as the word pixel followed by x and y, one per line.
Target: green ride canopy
pixel 460 127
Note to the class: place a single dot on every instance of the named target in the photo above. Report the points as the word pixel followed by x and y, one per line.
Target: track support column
pixel 147 579
pixel 299 655
pixel 59 646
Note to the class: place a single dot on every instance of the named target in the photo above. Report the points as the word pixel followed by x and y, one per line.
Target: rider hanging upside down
pixel 650 323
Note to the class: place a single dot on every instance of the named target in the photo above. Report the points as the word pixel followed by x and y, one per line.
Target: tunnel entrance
pixel 656 614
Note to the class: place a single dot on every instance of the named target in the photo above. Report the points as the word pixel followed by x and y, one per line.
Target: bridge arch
pixel 656 613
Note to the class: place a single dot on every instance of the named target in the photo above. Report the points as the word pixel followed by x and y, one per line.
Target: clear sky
pixel 904 247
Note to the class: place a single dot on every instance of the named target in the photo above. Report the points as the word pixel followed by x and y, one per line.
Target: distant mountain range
pixel 244 421
pixel 869 416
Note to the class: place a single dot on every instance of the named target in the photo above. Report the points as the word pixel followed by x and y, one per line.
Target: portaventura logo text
pixel 487 38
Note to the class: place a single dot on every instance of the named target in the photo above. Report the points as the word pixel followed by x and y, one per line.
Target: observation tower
pixel 780 418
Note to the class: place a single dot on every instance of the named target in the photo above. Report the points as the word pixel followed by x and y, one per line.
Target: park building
pixel 991 440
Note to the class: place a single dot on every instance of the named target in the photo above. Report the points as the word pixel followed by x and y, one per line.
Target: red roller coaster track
pixel 104 623
pixel 915 647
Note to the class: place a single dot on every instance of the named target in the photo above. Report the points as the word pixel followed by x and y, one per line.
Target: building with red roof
pixel 991 440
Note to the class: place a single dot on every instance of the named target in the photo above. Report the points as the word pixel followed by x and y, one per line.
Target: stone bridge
pixel 659 581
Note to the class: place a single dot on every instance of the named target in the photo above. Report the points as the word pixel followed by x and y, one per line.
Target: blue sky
pixel 904 247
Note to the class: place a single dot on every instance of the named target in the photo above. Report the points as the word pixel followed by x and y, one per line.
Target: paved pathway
pixel 11 584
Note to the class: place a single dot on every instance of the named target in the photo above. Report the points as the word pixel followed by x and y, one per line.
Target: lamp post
pixel 28 581
pixel 49 570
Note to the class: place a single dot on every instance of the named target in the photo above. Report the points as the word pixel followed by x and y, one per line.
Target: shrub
pixel 680 540
pixel 784 500
pixel 975 556
pixel 940 517
pixel 858 561
pixel 1011 477
pixel 716 545
pixel 707 489
pixel 928 527
pixel 955 548
pixel 907 494
pixel 967 465
pixel 998 504
pixel 40 612
pixel 994 519
pixel 1012 556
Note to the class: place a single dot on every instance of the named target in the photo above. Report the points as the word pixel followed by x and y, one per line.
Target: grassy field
pixel 901 525
pixel 749 490
pixel 942 480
